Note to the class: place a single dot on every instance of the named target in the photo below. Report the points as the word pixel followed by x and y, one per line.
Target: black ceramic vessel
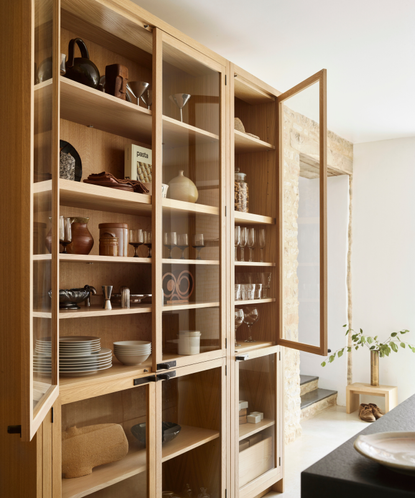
pixel 81 69
pixel 169 429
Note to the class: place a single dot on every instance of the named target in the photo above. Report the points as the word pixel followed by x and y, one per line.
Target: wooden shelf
pixel 178 134
pixel 87 196
pixel 97 311
pixel 168 261
pixel 42 257
pixel 253 263
pixel 253 219
pixel 174 206
pixel 189 306
pixel 94 258
pixel 246 430
pixel 246 143
pixel 245 347
pixel 255 301
pixel 188 439
pixel 250 93
pixel 105 475
pixel 87 106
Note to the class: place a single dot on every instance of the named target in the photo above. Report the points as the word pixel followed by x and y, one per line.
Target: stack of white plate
pixel 78 355
pixel 132 352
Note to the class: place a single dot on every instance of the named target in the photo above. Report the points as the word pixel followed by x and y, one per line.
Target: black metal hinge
pixel 226 343
pixel 166 365
pixel 226 80
pixel 279 460
pixel 14 429
pixel 51 415
pixel 226 369
pixel 167 375
pixel 144 380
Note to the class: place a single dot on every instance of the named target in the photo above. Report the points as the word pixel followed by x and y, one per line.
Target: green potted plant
pixel 377 349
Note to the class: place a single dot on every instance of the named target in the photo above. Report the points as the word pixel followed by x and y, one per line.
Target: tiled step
pixel 316 401
pixel 308 383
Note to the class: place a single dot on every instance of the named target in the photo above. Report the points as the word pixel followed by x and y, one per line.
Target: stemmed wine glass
pixel 182 242
pixel 180 99
pixel 147 241
pixel 243 242
pixel 137 88
pixel 147 98
pixel 239 320
pixel 198 243
pixel 170 241
pixel 65 232
pixel 136 239
pixel 251 317
pixel 251 243
pixel 237 241
pixel 261 242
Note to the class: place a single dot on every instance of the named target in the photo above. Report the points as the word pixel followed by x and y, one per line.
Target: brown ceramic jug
pixel 82 240
pixel 81 69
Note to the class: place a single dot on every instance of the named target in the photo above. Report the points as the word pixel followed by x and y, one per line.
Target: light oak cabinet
pixel 192 283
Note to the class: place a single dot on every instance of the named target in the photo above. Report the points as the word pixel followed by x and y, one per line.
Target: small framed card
pixel 138 163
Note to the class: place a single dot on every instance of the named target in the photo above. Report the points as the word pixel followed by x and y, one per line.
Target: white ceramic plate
pixel 395 450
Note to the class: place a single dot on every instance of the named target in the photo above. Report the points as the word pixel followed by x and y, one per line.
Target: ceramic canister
pixel 189 342
pixel 183 189
pixel 120 230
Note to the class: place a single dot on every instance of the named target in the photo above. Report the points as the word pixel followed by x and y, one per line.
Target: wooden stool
pixel 353 392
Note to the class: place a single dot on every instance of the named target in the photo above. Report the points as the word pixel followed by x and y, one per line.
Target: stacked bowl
pixel 132 352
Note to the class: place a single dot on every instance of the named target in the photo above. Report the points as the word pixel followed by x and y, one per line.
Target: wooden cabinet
pixel 201 365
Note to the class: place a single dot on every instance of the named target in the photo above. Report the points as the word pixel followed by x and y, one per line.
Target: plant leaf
pixel 394 334
pixel 376 337
pixel 349 349
pixel 331 359
pixel 361 331
pixel 340 353
pixel 402 344
pixel 394 347
pixel 369 340
pixel 323 364
pixel 345 325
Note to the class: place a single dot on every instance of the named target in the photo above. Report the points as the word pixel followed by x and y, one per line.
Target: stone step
pixel 317 400
pixel 308 383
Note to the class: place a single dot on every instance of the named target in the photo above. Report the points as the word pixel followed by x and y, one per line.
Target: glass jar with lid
pixel 241 192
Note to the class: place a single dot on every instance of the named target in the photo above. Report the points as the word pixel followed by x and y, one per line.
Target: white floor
pixel 321 434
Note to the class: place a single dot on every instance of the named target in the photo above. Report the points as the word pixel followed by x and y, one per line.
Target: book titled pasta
pixel 137 163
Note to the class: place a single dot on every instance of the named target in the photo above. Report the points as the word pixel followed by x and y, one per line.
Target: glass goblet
pixel 147 241
pixel 243 242
pixel 250 318
pixel 239 320
pixel 135 239
pixel 182 242
pixel 170 241
pixel 261 242
pixel 180 99
pixel 237 241
pixel 198 243
pixel 251 243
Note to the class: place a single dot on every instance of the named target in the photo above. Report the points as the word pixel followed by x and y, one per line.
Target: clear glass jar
pixel 241 192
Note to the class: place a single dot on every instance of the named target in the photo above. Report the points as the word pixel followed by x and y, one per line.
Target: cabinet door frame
pixel 321 78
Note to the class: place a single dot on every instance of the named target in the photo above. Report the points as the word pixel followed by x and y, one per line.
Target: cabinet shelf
pixel 94 258
pixel 255 301
pixel 245 347
pixel 97 311
pixel 250 93
pixel 87 196
pixel 246 143
pixel 174 206
pixel 168 261
pixel 189 306
pixel 253 219
pixel 87 106
pixel 246 430
pixel 188 439
pixel 178 134
pixel 105 475
pixel 253 263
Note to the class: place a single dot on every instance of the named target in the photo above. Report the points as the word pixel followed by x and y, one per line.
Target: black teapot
pixel 81 69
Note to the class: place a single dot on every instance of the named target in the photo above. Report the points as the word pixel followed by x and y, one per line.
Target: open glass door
pixel 302 282
pixel 39 353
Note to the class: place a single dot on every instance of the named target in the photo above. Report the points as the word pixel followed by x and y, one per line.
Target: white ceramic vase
pixel 183 189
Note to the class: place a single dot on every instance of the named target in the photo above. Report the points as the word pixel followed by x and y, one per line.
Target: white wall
pixel 334 376
pixel 383 257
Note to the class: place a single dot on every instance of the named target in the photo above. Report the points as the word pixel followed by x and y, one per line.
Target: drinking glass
pixel 261 242
pixel 251 243
pixel 237 292
pixel 266 284
pixel 237 241
pixel 182 242
pixel 65 232
pixel 198 243
pixel 136 239
pixel 243 242
pixel 147 241
pixel 170 241
pixel 180 99
pixel 251 316
pixel 239 320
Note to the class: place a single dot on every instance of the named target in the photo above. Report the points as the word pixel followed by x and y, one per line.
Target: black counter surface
pixel 345 473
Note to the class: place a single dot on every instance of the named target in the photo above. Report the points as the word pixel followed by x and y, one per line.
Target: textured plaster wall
pixel 300 136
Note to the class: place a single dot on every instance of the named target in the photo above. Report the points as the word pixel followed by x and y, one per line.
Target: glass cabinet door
pixel 259 443
pixel 192 419
pixel 192 231
pixel 105 445
pixel 40 386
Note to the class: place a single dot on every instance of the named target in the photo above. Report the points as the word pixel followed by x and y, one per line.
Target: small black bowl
pixel 169 429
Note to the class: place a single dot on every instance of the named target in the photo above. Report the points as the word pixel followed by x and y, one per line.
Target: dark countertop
pixel 345 473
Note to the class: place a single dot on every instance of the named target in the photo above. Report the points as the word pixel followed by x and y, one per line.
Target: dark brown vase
pixel 82 240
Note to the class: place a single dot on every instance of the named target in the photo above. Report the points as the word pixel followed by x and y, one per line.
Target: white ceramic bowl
pixel 132 343
pixel 131 359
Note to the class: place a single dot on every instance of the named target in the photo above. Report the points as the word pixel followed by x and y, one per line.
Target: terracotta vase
pixel 183 189
pixel 82 240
